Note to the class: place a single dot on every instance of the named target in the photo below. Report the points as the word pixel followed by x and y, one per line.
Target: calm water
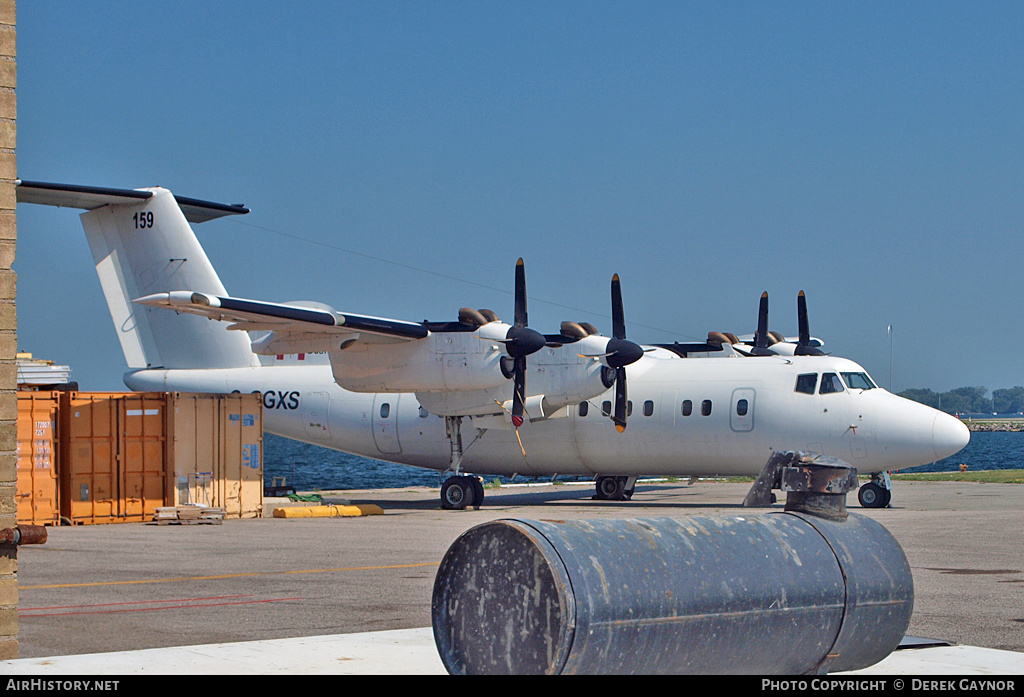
pixel 310 468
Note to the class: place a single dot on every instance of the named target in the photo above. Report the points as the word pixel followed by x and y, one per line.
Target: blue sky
pixel 399 156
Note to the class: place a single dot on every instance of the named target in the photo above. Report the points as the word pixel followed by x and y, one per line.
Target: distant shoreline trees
pixel 970 400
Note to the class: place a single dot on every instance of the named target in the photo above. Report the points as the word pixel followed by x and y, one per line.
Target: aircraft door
pixel 741 413
pixel 385 423
pixel 317 407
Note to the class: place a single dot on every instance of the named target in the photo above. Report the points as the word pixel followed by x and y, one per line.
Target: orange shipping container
pixel 112 456
pixel 36 488
pixel 217 445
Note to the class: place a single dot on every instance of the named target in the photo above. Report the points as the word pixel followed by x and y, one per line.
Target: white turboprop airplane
pixel 466 396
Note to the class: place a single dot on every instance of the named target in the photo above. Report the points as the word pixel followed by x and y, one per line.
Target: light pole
pixel 890 358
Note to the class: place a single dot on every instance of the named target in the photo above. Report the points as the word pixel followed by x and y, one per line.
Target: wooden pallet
pixel 195 521
pixel 188 515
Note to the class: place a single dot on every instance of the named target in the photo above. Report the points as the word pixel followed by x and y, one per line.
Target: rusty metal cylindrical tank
pixel 780 593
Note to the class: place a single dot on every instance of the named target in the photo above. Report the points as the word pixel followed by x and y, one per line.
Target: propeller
pixel 620 352
pixel 764 343
pixel 761 339
pixel 520 342
pixel 804 346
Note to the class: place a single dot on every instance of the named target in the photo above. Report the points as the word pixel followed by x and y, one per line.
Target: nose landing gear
pixel 877 493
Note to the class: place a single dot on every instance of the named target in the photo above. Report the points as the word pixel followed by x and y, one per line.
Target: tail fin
pixel 142 243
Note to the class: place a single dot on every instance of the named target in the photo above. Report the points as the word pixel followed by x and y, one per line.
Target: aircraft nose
pixel 949 435
pixel 911 434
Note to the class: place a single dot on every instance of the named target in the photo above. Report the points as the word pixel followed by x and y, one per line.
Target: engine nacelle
pixel 460 373
pixel 556 376
pixel 459 361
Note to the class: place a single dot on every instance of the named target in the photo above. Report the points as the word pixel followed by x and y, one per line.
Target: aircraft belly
pixel 549 447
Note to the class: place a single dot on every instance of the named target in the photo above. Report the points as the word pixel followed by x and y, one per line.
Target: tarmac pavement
pixel 125 587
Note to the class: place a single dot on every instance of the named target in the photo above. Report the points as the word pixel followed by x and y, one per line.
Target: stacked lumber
pixel 188 515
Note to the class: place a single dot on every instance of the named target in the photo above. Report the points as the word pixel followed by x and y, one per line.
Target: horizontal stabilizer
pixel 92 197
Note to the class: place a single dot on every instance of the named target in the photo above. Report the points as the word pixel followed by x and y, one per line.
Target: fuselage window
pixel 858 381
pixel 606 408
pixel 385 409
pixel 424 413
pixel 741 407
pixel 806 383
pixel 705 407
pixel 584 408
pixel 830 383
pixel 648 408
pixel 629 407
pixel 687 407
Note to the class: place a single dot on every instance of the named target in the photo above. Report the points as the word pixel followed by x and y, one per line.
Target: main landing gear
pixel 877 493
pixel 459 491
pixel 616 488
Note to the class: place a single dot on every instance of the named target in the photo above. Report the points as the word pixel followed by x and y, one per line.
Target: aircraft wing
pixel 294 327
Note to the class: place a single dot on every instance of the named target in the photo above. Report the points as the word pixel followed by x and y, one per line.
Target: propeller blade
pixel 621 400
pixel 801 314
pixel 761 339
pixel 618 321
pixel 619 353
pixel 520 342
pixel 518 390
pixel 804 346
pixel 520 297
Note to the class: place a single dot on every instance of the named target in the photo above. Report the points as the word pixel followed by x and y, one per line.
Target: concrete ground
pixel 109 588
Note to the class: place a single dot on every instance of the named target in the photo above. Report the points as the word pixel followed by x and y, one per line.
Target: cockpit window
pixel 806 383
pixel 858 381
pixel 830 383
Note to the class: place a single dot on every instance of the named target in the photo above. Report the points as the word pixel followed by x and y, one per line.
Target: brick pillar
pixel 8 331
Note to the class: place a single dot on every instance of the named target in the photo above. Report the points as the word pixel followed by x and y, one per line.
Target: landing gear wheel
pixel 457 493
pixel 478 492
pixel 873 495
pixel 611 488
